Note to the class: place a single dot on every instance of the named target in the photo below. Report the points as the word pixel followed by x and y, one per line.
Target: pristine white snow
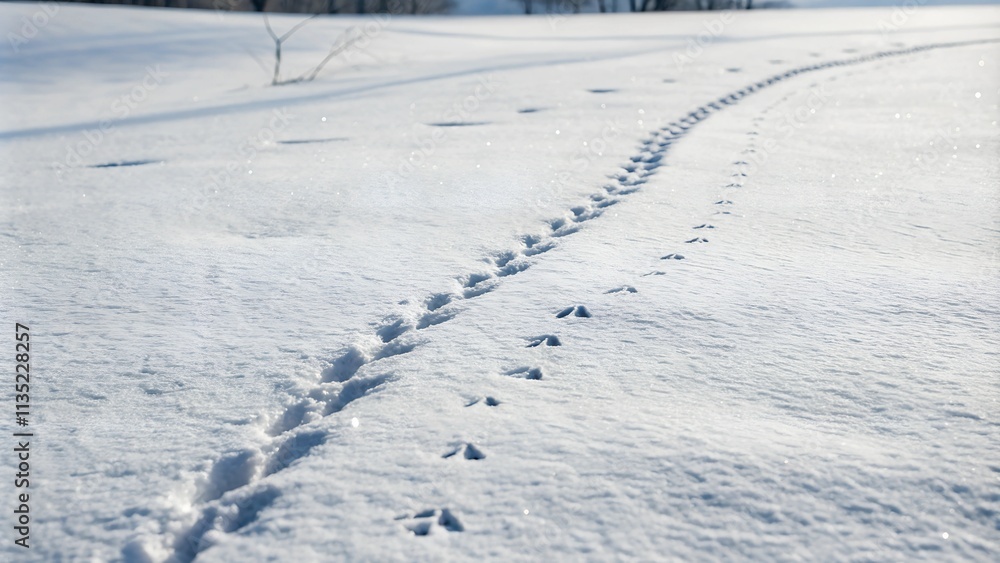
pixel 267 340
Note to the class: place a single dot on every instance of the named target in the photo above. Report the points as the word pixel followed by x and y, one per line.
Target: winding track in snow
pixel 234 494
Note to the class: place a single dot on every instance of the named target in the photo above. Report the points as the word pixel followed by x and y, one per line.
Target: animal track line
pixel 233 494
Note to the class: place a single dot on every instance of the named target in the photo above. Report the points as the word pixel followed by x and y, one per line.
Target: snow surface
pixel 446 316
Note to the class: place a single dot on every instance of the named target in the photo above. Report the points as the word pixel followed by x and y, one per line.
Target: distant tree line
pixel 576 6
pixel 443 6
pixel 297 6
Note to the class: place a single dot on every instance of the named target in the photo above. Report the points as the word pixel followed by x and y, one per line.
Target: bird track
pixel 235 490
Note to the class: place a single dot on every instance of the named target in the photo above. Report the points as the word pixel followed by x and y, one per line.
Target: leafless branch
pixel 335 50
pixel 277 44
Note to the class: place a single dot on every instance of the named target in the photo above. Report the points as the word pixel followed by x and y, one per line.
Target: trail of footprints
pixel 233 494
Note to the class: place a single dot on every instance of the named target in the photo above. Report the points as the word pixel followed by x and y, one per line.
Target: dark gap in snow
pixel 473 453
pixel 504 258
pixel 476 279
pixel 124 163
pixel 249 508
pixel 229 472
pixel 546 339
pixel 450 522
pixel 293 449
pixel 438 300
pixel 531 240
pixel 421 528
pixel 459 123
pixel 525 372
pixel 480 289
pixel 392 331
pixel 354 390
pixel 535 250
pixel 490 402
pixel 345 366
pixel 394 350
pixel 623 289
pixel 431 319
pixel 565 231
pixel 469 452
pixel 293 417
pixel 187 545
pixel 307 141
pixel 513 268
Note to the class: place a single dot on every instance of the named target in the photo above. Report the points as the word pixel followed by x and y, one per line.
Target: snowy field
pixel 683 286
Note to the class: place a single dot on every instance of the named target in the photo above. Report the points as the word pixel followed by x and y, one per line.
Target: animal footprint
pixel 436 301
pixel 425 522
pixel 435 318
pixel 697 239
pixel 673 257
pixel 392 331
pixel 513 268
pixel 705 226
pixel 471 452
pixel 623 289
pixel 490 402
pixel 472 280
pixel 546 339
pixel 525 372
pixel 579 311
